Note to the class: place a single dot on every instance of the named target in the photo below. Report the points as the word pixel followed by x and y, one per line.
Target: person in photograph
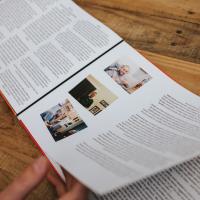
pixel 116 72
pixel 52 119
pixel 62 120
pixel 90 92
pixel 88 99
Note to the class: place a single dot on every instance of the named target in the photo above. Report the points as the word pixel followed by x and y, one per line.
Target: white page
pixel 142 130
pixel 178 183
pixel 42 43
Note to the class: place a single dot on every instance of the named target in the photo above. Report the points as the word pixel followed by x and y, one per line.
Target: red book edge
pixel 38 146
pixel 30 135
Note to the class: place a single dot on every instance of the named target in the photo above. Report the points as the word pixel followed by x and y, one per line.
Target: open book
pixel 95 106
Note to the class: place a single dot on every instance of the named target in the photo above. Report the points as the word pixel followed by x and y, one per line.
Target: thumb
pixel 25 183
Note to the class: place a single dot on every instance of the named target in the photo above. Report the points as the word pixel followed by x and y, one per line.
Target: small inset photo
pixel 93 95
pixel 126 74
pixel 62 120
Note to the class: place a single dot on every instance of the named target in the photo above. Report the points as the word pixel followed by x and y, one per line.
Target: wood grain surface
pixel 165 32
pixel 170 28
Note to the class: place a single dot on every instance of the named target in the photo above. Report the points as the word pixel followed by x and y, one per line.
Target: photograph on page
pixel 62 120
pixel 93 95
pixel 128 75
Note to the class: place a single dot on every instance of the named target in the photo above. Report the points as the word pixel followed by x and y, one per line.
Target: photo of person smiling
pixel 128 75
pixel 116 72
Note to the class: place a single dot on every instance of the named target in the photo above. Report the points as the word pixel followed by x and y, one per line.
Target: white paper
pixel 44 43
pixel 93 104
pixel 178 183
pixel 150 144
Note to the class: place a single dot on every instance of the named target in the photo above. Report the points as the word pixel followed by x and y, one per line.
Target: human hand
pixel 34 175
pixel 71 190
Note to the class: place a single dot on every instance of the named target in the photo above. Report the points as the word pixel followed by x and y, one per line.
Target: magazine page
pixel 178 183
pixel 117 121
pixel 42 43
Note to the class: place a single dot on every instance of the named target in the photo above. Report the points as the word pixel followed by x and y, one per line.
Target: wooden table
pixel 165 32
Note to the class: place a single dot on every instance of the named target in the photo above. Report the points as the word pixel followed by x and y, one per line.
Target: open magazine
pixel 95 106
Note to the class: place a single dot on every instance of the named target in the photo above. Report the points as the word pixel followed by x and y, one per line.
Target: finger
pixel 70 180
pixel 57 183
pixel 78 192
pixel 25 183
